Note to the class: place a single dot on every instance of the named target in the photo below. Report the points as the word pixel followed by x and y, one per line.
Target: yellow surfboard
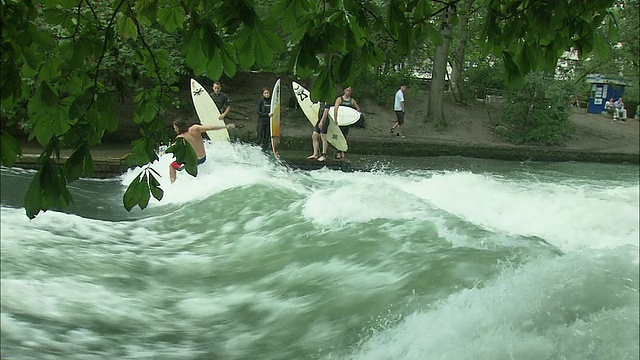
pixel 275 119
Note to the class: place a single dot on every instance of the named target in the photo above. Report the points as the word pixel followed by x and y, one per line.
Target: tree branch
pixel 151 54
pixel 104 48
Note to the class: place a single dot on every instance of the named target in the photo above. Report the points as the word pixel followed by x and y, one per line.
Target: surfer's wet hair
pixel 181 124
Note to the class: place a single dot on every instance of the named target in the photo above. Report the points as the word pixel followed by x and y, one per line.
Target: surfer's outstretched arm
pixel 203 128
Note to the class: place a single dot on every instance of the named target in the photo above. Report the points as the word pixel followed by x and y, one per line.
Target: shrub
pixel 538 113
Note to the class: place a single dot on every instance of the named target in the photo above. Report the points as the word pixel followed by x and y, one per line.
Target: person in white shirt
pixel 609 107
pixel 398 108
pixel 621 112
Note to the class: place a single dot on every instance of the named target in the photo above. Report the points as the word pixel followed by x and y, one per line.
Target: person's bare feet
pixel 312 157
pixel 322 158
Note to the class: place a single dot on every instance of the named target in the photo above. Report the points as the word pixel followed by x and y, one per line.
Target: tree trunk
pixel 459 47
pixel 435 109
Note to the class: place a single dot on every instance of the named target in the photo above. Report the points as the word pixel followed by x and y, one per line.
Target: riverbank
pixel 470 133
pixel 110 160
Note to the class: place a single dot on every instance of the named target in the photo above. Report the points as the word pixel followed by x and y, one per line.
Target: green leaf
pixel 264 52
pixel 323 89
pixel 214 66
pixel 273 41
pixel 79 164
pixel 10 148
pixel 11 84
pixel 134 195
pixel 345 72
pixel 246 55
pixel 171 17
pixel 612 27
pixel 146 110
pixel 156 191
pixel 33 198
pixel 142 152
pixel 126 27
pixel 67 4
pixel 307 60
pixel 513 75
pixel 48 189
pixel 147 11
pixel 185 154
pixel 195 57
pixel 600 46
pixel 403 44
pixel 228 60
pixel 45 40
pixel 144 192
pixel 107 119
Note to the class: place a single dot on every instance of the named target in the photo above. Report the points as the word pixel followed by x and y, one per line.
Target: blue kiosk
pixel 602 88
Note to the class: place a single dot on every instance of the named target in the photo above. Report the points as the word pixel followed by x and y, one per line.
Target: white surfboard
pixel 310 109
pixel 275 119
pixel 346 115
pixel 208 112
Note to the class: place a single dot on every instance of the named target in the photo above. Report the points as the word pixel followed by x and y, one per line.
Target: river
pixel 440 258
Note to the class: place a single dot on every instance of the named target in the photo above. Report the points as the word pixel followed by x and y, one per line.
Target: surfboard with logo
pixel 208 112
pixel 346 115
pixel 275 119
pixel 310 109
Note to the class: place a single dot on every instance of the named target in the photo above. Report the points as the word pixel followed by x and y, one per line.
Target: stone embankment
pixel 111 160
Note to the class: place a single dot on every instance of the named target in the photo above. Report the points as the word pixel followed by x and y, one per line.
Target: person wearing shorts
pixel 320 129
pixel 344 100
pixel 398 108
pixel 179 167
pixel 193 135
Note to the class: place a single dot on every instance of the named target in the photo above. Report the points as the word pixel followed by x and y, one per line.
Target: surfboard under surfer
pixel 193 135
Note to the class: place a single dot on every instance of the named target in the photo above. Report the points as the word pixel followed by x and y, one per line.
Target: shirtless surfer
pixel 193 135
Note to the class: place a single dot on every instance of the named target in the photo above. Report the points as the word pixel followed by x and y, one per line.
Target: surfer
pixel 321 128
pixel 344 100
pixel 221 99
pixel 193 135
pixel 263 138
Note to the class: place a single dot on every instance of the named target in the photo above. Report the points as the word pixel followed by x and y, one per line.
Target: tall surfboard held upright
pixel 208 112
pixel 311 109
pixel 275 118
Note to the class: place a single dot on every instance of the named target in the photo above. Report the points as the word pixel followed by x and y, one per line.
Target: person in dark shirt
pixel 344 100
pixel 263 137
pixel 223 103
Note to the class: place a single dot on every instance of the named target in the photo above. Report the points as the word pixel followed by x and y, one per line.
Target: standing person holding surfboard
pixel 321 128
pixel 263 137
pixel 223 103
pixel 398 108
pixel 193 135
pixel 344 100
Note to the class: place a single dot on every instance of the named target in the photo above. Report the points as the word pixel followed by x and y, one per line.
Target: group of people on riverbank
pixel 194 134
pixel 616 109
pixel 321 127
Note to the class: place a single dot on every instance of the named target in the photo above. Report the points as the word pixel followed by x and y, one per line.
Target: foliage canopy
pixel 58 58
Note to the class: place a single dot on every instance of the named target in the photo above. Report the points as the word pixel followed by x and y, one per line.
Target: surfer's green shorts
pixel 176 165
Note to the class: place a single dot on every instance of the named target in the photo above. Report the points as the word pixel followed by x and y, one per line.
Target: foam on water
pixel 583 305
pixel 228 166
pixel 570 217
pixel 344 198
